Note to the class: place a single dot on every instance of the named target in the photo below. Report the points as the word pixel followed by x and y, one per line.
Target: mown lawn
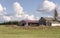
pixel 29 32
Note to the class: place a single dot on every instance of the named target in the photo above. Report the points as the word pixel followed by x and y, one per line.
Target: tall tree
pixel 55 15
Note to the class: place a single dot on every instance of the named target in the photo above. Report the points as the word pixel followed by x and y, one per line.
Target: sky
pixel 12 10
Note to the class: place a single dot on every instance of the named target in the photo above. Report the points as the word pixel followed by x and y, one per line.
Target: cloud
pixel 18 8
pixel 20 14
pixel 47 6
pixel 3 13
pixel 46 0
pixel 6 18
pixel 2 10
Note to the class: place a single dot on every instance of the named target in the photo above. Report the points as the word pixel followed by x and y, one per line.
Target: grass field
pixel 29 32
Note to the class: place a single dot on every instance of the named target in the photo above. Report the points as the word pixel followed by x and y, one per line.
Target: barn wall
pixel 56 24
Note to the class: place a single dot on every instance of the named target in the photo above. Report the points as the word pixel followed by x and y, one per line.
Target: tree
pixel 55 15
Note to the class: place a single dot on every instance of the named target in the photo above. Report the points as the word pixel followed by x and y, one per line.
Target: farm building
pixel 45 21
pixel 41 21
pixel 28 22
pixel 55 24
pixel 52 22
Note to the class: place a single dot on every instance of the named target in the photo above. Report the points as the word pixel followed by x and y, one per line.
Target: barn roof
pixel 49 18
pixel 32 21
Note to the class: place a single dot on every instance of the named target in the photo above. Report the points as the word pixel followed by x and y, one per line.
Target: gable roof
pixel 49 18
pixel 31 21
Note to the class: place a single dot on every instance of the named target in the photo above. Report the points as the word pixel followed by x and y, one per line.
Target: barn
pixel 28 22
pixel 55 23
pixel 45 21
pixel 41 21
pixel 52 22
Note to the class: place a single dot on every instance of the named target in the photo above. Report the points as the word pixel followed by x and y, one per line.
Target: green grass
pixel 29 32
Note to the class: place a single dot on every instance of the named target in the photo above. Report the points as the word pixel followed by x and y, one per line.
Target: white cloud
pixel 17 16
pixel 47 6
pixel 3 13
pixel 46 0
pixel 6 18
pixel 18 8
pixel 20 14
pixel 1 8
pixel 32 17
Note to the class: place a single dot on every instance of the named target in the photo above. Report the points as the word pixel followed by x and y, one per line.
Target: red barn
pixel 41 21
pixel 28 22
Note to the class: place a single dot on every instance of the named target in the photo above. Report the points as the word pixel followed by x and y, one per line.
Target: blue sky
pixel 28 5
pixel 14 9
